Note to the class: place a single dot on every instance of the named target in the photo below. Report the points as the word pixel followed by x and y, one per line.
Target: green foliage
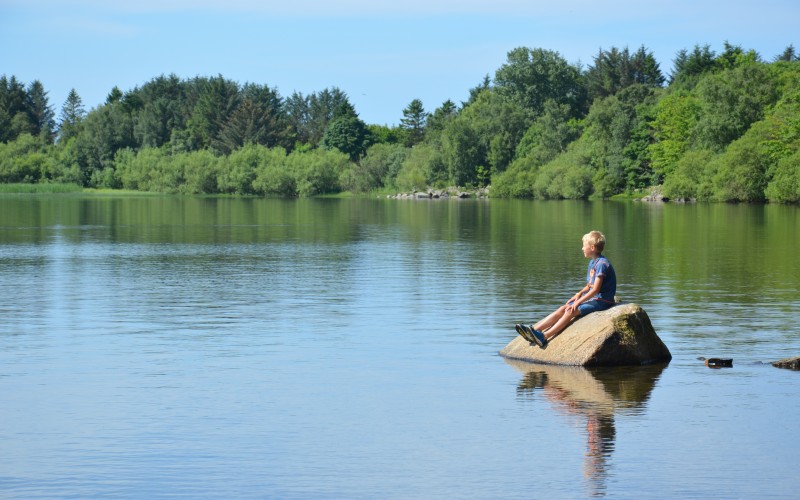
pixel 106 130
pixel 238 170
pixel 377 169
pixel 133 169
pixel 160 107
pixel 785 184
pixel 272 175
pixel 731 101
pixel 72 114
pixel 25 188
pixel 439 119
pixel 28 159
pixel 317 172
pixel 675 117
pixel 568 176
pixel 734 56
pixel 549 134
pixel 257 120
pixel 483 136
pixel 726 128
pixel 689 67
pixel 413 122
pixel 689 177
pixel 348 134
pixel 15 111
pixel 308 116
pixel 740 173
pixel 618 140
pixel 422 166
pixel 384 134
pixel 39 111
pixel 218 99
pixel 614 70
pixel 463 150
pixel 531 77
pixel 749 164
pixel 518 180
pixel 789 54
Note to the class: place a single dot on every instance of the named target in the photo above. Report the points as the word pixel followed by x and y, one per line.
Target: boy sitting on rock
pixel 597 295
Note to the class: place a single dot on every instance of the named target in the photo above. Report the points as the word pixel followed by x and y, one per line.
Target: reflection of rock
pixel 622 335
pixel 790 363
pixel 601 389
pixel 595 396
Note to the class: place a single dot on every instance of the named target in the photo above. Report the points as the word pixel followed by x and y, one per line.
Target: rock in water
pixel 622 335
pixel 790 363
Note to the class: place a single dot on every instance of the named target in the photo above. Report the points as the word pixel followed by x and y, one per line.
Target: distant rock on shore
pixel 656 195
pixel 442 194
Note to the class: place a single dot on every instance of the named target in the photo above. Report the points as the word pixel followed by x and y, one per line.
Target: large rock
pixel 622 335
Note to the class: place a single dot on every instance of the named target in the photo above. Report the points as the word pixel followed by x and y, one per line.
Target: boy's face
pixel 588 250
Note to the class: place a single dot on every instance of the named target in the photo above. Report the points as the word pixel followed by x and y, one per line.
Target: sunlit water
pixel 160 347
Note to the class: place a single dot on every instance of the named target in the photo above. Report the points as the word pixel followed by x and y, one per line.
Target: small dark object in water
pixel 790 363
pixel 719 363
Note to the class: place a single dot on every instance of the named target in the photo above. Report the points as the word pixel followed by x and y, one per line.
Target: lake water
pixel 156 347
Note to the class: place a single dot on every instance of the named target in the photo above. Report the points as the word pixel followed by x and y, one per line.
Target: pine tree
pixel 72 115
pixel 14 119
pixel 413 122
pixel 789 55
pixel 41 113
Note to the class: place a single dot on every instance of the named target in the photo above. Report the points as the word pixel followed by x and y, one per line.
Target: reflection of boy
pixel 597 295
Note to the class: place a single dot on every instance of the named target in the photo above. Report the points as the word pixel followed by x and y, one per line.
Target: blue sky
pixel 383 54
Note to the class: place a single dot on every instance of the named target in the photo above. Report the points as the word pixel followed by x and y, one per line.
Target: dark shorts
pixel 593 306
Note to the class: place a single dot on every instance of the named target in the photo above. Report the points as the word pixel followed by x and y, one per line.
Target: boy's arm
pixel 578 295
pixel 591 291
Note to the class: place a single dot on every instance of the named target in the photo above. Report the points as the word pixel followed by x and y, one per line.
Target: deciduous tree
pixel 532 76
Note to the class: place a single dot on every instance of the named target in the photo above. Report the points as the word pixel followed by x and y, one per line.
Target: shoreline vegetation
pixel 450 193
pixel 721 126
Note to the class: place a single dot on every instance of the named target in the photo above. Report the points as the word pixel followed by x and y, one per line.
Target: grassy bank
pixel 20 188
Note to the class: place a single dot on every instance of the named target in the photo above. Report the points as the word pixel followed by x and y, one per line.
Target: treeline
pixel 722 127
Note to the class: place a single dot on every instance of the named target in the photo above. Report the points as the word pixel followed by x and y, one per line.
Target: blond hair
pixel 597 239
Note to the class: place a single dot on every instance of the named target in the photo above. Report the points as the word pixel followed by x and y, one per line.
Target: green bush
pixel 199 171
pixel 675 118
pixel 785 184
pixel 419 168
pixel 689 178
pixel 741 172
pixel 317 171
pixel 273 177
pixel 27 159
pixel 237 172
pixel 140 170
pixel 377 169
pixel 568 176
pixel 517 181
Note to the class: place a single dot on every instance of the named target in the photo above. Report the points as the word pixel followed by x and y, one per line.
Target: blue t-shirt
pixel 600 266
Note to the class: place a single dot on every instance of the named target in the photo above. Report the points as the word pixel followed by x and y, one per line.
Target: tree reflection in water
pixel 596 396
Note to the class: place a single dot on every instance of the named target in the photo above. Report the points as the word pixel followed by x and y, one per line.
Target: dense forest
pixel 721 127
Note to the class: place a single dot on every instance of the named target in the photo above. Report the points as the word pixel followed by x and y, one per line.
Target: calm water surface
pixel 156 347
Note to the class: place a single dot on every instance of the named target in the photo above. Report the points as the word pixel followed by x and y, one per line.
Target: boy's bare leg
pixel 565 319
pixel 550 320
